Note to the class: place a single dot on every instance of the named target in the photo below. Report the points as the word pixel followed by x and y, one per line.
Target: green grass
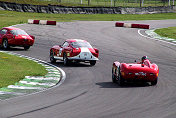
pixel 8 18
pixel 169 32
pixel 14 68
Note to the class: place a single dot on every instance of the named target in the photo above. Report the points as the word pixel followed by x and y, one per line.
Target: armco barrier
pixel 129 25
pixel 41 22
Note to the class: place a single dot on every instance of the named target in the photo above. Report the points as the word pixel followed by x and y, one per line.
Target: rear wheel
pixel 5 44
pixel 154 82
pixel 65 59
pixel 120 79
pixel 113 77
pixel 92 63
pixel 26 47
pixel 52 59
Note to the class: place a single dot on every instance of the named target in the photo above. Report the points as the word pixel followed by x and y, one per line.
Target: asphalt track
pixel 88 92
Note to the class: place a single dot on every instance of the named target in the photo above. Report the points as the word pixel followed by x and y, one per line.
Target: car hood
pixel 23 37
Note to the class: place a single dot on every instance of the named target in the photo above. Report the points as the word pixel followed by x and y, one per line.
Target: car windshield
pixel 18 32
pixel 81 44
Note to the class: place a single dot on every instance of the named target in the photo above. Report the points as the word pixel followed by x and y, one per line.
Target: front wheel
pixel 5 44
pixel 65 59
pixel 154 82
pixel 120 79
pixel 52 59
pixel 26 47
pixel 92 63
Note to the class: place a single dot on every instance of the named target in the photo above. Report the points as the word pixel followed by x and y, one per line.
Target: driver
pixel 143 59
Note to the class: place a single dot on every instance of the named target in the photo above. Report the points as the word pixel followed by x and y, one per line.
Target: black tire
pixel 26 47
pixel 120 79
pixel 114 80
pixel 52 59
pixel 65 59
pixel 154 82
pixel 5 44
pixel 92 63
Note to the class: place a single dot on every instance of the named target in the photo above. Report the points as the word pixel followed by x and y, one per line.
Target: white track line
pixel 37 83
pixel 42 78
pixel 139 32
pixel 24 87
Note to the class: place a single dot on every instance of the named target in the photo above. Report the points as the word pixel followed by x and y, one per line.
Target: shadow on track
pixel 13 49
pixel 126 85
pixel 71 64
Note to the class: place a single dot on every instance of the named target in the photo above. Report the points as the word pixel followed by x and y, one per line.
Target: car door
pixel 2 34
pixel 10 37
pixel 65 49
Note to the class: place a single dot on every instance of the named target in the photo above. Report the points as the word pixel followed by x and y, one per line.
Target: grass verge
pixel 11 17
pixel 169 32
pixel 14 68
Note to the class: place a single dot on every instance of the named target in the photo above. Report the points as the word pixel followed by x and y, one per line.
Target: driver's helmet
pixel 144 58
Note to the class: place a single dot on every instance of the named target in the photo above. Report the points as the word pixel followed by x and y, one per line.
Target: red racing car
pixel 11 36
pixel 76 50
pixel 135 72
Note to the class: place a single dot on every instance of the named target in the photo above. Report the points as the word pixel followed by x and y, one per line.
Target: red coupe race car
pixel 143 71
pixel 74 50
pixel 11 36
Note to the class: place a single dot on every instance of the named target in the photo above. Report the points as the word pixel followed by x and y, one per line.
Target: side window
pixel 8 32
pixel 66 44
pixel 13 32
pixel 3 31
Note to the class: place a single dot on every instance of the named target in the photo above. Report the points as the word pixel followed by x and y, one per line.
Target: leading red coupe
pixel 144 71
pixel 11 36
pixel 76 50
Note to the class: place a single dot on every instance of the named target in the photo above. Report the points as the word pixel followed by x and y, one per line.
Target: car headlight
pixel 122 73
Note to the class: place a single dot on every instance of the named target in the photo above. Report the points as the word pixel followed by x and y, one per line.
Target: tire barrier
pixel 130 25
pixel 41 22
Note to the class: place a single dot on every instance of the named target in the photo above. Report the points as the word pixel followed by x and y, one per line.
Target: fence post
pixel 140 2
pixel 59 1
pixel 169 3
pixel 88 2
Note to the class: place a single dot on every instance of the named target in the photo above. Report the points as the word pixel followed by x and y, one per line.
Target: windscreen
pixel 18 32
pixel 80 44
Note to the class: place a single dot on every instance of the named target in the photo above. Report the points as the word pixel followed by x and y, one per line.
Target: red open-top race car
pixel 74 50
pixel 11 36
pixel 135 72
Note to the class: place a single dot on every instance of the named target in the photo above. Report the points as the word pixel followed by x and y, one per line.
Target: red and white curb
pixel 130 25
pixel 152 35
pixel 33 84
pixel 41 22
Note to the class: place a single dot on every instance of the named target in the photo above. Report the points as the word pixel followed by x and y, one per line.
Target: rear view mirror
pixel 32 36
pixel 96 50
